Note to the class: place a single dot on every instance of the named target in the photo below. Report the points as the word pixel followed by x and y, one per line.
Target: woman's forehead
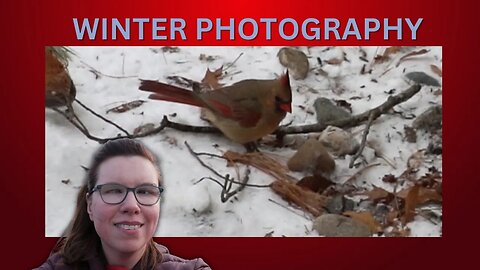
pixel 127 170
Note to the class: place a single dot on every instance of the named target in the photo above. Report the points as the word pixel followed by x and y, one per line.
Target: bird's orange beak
pixel 287 107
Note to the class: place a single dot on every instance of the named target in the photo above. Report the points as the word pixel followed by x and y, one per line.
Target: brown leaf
pixel 367 218
pixel 391 217
pixel 429 195
pixel 334 61
pixel 211 78
pixel 436 70
pixel 379 194
pixel 389 178
pixel 424 194
pixel 411 202
pixel 391 50
pixel 380 59
pixel 386 54
pixel 414 53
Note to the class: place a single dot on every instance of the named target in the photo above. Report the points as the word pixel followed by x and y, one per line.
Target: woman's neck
pixel 125 259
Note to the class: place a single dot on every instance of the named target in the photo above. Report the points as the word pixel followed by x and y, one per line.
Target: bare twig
pixel 80 126
pixel 355 175
pixel 353 120
pixel 234 61
pixel 101 117
pixel 281 131
pixel 226 194
pixel 364 140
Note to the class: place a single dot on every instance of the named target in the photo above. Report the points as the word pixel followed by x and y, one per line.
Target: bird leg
pixel 251 147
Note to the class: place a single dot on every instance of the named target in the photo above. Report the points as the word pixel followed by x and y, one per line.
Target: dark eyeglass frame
pixel 99 187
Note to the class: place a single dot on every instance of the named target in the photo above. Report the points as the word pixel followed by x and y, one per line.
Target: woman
pixel 117 214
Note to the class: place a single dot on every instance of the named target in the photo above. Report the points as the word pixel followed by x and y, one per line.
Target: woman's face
pixel 125 228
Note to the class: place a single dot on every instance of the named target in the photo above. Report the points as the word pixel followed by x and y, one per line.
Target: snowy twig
pixel 234 61
pixel 353 120
pixel 79 125
pixel 281 131
pixel 101 117
pixel 364 140
pixel 72 117
pixel 355 175
pixel 227 186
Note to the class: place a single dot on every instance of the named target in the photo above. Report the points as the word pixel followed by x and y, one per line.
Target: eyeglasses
pixel 115 193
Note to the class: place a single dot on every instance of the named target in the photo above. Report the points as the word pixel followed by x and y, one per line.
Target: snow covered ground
pixel 195 209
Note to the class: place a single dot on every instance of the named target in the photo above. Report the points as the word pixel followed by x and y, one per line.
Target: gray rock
pixel 296 62
pixel 312 157
pixel 339 204
pixel 333 225
pixel 338 141
pixel 422 78
pixel 327 111
pixel 430 120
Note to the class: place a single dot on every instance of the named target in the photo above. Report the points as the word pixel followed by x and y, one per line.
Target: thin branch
pixel 360 171
pixel 81 127
pixel 226 193
pixel 101 117
pixel 364 140
pixel 234 61
pixel 353 120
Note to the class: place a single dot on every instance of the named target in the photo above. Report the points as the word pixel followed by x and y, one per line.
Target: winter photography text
pixel 161 29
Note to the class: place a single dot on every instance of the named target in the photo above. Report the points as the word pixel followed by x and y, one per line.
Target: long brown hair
pixel 83 238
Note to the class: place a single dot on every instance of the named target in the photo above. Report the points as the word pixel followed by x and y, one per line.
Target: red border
pixel 28 26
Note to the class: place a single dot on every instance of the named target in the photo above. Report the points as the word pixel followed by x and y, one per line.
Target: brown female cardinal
pixel 245 111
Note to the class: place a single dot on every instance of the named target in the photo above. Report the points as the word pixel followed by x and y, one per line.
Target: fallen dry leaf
pixel 211 78
pixel 334 61
pixel 414 53
pixel 379 194
pixel 411 202
pixel 367 218
pixel 391 50
pixel 436 70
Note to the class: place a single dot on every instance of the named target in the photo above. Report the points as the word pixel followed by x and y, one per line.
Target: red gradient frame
pixel 27 26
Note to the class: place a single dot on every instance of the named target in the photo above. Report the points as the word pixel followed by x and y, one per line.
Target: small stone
pixel 332 225
pixel 430 120
pixel 339 204
pixel 312 157
pixel 339 141
pixel 296 62
pixel 422 78
pixel 327 111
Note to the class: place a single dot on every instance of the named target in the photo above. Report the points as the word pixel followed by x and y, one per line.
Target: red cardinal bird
pixel 245 111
